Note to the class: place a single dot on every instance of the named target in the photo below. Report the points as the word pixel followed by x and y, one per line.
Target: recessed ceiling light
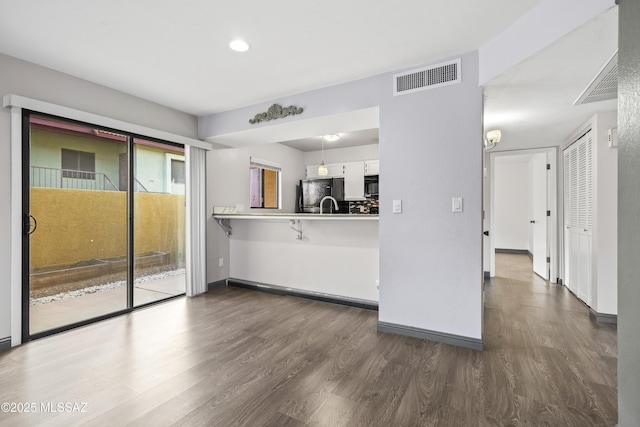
pixel 239 45
pixel 331 138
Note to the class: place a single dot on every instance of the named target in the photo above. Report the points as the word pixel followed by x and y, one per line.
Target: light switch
pixel 397 206
pixel 456 204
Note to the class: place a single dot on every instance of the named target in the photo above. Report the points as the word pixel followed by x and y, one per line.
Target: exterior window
pixel 175 180
pixel 78 164
pixel 264 190
pixel 177 171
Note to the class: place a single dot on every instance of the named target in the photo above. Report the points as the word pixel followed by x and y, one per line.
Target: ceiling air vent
pixel 604 86
pixel 444 74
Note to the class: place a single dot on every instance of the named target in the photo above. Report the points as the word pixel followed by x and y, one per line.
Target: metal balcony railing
pixel 139 188
pixel 71 179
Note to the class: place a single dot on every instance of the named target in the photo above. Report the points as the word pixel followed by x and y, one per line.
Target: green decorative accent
pixel 275 112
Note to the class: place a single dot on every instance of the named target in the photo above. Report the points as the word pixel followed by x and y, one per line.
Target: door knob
pixel 533 221
pixel 486 233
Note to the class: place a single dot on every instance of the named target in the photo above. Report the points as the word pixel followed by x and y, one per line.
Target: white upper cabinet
pixel 372 167
pixel 354 181
pixel 312 171
pixel 336 170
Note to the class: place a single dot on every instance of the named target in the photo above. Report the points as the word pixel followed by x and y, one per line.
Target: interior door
pixel 539 220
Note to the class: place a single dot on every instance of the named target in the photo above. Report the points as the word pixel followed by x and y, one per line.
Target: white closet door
pixel 584 267
pixel 568 197
pixel 578 206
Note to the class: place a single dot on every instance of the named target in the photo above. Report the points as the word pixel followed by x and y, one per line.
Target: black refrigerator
pixel 312 191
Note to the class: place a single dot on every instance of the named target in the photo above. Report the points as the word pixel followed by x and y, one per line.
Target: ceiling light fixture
pixel 493 137
pixel 239 45
pixel 331 138
pixel 322 169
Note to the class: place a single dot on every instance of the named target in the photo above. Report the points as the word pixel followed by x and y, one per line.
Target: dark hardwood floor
pixel 241 357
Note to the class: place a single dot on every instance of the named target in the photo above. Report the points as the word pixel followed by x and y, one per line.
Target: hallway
pixel 551 360
pixel 239 357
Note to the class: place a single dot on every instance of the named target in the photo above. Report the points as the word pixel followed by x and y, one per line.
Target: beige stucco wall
pixel 77 225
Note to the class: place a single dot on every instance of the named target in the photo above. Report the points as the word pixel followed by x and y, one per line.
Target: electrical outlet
pixel 220 262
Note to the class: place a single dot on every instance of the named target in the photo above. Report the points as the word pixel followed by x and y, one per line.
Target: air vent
pixel 444 74
pixel 604 86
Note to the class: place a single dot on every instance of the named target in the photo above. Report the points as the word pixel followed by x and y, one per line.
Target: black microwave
pixel 371 186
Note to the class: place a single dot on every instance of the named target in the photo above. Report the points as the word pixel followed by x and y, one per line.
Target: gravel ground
pixel 98 284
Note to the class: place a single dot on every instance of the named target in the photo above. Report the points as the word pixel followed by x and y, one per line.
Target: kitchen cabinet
pixel 312 171
pixel 354 181
pixel 372 167
pixel 336 170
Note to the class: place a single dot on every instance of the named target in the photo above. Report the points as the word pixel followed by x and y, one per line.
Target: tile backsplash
pixel 369 206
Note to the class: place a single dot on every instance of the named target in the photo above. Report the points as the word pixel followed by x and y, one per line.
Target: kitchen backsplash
pixel 369 206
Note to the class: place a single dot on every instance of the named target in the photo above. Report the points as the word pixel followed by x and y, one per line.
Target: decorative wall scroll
pixel 275 112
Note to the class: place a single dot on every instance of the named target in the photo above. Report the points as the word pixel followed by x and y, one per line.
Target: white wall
pixel 334 257
pixel 605 219
pixel 430 151
pixel 430 258
pixel 228 185
pixel 512 201
pixel 339 155
pixel 228 175
pixel 26 79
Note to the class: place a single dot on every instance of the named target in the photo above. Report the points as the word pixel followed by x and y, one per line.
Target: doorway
pixel 95 243
pixel 521 211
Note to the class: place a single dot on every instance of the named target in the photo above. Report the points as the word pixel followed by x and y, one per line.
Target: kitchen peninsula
pixel 325 256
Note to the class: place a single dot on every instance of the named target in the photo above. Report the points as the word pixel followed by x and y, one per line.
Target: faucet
pixel 335 203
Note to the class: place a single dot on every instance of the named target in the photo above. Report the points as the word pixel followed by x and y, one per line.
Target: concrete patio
pixel 55 314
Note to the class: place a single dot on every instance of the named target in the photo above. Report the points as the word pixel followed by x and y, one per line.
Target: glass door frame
pixel 26 227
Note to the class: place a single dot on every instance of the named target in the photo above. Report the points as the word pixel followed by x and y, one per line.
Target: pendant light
pixel 322 169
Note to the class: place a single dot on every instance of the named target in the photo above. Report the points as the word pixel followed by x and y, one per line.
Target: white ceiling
pixel 347 139
pixel 176 53
pixel 532 102
pixel 346 122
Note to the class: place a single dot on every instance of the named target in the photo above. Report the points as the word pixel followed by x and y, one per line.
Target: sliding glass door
pixel 159 228
pixel 97 243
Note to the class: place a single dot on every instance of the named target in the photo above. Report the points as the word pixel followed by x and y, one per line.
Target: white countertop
pixel 299 216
